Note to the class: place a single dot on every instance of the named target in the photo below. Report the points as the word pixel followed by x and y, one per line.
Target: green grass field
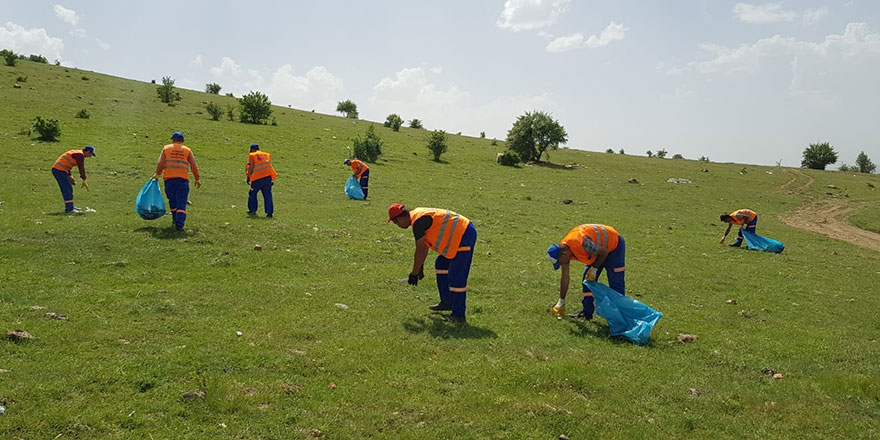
pixel 154 314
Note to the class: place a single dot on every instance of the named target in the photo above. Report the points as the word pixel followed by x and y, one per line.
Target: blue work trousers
pixel 615 262
pixel 452 274
pixel 750 226
pixel 365 182
pixel 66 188
pixel 264 186
pixel 177 191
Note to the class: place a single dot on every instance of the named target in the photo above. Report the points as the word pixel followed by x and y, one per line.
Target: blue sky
pixel 734 81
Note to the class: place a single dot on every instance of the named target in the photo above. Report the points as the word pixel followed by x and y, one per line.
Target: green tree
pixel 368 148
pixel 662 153
pixel 38 59
pixel 83 114
pixel 415 123
pixel 677 156
pixel 394 121
pixel 611 151
pixel 482 135
pixel 347 108
pixel 9 57
pixel 621 151
pixel 214 110
pixel 49 129
pixel 865 165
pixel 650 153
pixel 254 108
pixel 213 88
pixel 818 156
pixel 847 168
pixel 437 143
pixel 166 91
pixel 533 134
pixel 230 112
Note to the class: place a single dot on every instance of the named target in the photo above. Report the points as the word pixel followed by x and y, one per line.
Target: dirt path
pixel 826 216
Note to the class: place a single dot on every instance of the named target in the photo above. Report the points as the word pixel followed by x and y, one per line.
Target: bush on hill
pixel 21 79
pixel 864 163
pixel 38 59
pixel 482 135
pixel 83 114
pixel 819 155
pixel 49 129
pixel 348 108
pixel 508 158
pixel 213 88
pixel 437 143
pixel 677 156
pixel 166 91
pixel 610 151
pixel 415 123
pixel 533 134
pixel 621 151
pixel 368 148
pixel 393 121
pixel 214 110
pixel 255 108
pixel 230 112
pixel 650 153
pixel 9 57
pixel 662 153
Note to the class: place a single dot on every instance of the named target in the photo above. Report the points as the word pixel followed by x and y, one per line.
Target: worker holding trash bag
pixel 361 172
pixel 600 247
pixel 62 169
pixel 261 175
pixel 174 165
pixel 746 219
pixel 453 237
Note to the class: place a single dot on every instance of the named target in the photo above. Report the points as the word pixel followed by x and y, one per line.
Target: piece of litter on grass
pixel 778 376
pixel 331 385
pixel 89 209
pixel 222 425
pixel 238 333
pixel 341 306
pixel 58 316
pixel 686 337
pixel 2 410
pixel 731 301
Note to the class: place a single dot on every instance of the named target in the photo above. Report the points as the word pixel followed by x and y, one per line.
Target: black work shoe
pixel 734 244
pixel 456 319
pixel 580 315
pixel 441 306
pixel 252 213
pixel 268 215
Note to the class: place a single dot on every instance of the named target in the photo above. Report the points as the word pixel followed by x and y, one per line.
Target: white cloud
pixel 613 32
pixel 519 15
pixel 66 15
pixel 812 16
pixel 197 61
pixel 30 41
pixel 767 13
pixel 232 77
pixel 79 32
pixel 317 89
pixel 103 45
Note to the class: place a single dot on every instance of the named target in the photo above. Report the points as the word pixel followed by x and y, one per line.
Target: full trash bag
pixel 353 188
pixel 150 204
pixel 759 243
pixel 626 316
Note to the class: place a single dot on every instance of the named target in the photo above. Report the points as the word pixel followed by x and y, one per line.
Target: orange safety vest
pixel 176 161
pixel 447 228
pixel 358 168
pixel 748 213
pixel 259 166
pixel 66 162
pixel 602 235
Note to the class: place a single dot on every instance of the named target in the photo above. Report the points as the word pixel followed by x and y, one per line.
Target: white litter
pixel 341 306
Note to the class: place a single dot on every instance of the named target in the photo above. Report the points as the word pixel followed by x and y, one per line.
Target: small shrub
pixel 661 154
pixel 38 59
pixel 230 95
pixel 677 156
pixel 255 108
pixel 166 91
pixel 393 121
pixel 274 122
pixel 368 148
pixel 230 112
pixel 609 151
pixel 49 129
pixel 347 108
pixel 84 78
pixel 415 123
pixel 650 153
pixel 494 141
pixel 482 135
pixel 21 79
pixel 9 57
pixel 213 88
pixel 703 159
pixel 847 168
pixel 152 81
pixel 437 143
pixel 509 158
pixel 214 110
pixel 83 114
pixel 57 62
pixel 621 151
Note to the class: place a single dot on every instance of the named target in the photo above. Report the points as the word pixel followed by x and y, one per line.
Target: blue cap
pixel 255 147
pixel 553 254
pixel 90 149
pixel 346 161
pixel 177 136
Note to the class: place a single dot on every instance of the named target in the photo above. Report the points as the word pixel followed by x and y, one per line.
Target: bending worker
pixel 600 247
pixel 453 237
pixel 62 172
pixel 745 219
pixel 361 172
pixel 176 161
pixel 261 175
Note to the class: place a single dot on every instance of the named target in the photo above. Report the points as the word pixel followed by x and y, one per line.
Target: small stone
pixel 18 335
pixel 341 306
pixel 567 202
pixel 196 394
pixel 316 433
pixel 161 292
pixel 258 247
pixel 58 316
pixel 731 301
pixel 238 334
pixel 695 392
pixel 16 86
pixel 563 437
pixel 686 337
pixel 2 371
pixel 777 376
pixel 633 180
pixel 331 385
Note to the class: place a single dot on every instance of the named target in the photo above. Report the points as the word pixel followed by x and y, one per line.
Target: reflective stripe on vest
pixel 601 235
pixel 447 229
pixel 260 166
pixel 65 162
pixel 175 160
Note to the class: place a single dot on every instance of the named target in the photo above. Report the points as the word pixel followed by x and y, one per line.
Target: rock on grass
pixel 196 394
pixel 18 335
pixel 684 338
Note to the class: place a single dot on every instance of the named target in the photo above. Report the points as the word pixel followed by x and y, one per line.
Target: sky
pixel 734 81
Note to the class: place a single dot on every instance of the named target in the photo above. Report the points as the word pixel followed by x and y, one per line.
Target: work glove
pixel 86 185
pixel 198 184
pixel 413 279
pixel 422 272
pixel 592 274
pixel 558 310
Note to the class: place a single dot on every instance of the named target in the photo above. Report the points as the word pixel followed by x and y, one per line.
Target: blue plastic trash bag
pixel 353 189
pixel 759 243
pixel 150 204
pixel 625 316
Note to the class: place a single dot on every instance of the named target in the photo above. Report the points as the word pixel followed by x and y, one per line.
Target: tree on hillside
pixel 482 135
pixel 610 151
pixel 677 156
pixel 533 134
pixel 368 148
pixel 213 88
pixel 661 153
pixel 394 121
pixel 214 110
pixel 166 91
pixel 818 156
pixel 9 57
pixel 38 59
pixel 865 165
pixel 621 151
pixel 415 123
pixel 650 153
pixel 437 143
pixel 348 108
pixel 254 108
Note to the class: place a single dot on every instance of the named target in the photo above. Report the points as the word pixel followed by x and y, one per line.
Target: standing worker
pixel 361 172
pixel 261 175
pixel 62 172
pixel 599 247
pixel 745 219
pixel 453 237
pixel 176 160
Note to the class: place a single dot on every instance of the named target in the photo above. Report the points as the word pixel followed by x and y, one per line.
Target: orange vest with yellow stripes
pixel 447 228
pixel 748 213
pixel 602 235
pixel 259 166
pixel 358 168
pixel 176 161
pixel 66 162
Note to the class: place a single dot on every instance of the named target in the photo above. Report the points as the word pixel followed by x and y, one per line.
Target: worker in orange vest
pixel 174 165
pixel 745 219
pixel 62 169
pixel 600 247
pixel 261 175
pixel 361 172
pixel 453 237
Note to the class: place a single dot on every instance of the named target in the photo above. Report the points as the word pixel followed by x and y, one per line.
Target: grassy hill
pixel 154 314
